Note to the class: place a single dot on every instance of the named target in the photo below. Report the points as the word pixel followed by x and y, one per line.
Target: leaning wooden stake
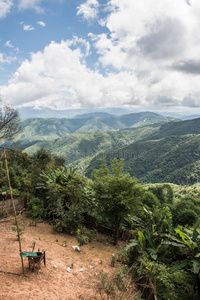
pixel 19 238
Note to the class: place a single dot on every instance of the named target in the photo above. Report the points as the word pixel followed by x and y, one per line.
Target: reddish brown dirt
pixel 52 281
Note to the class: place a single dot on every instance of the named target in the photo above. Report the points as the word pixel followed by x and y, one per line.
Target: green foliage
pixel 189 242
pixel 113 260
pixel 116 194
pixel 91 234
pixel 67 198
pixel 106 286
pixel 149 240
pixel 41 129
pixel 35 208
pixel 114 287
pixel 81 236
pixel 186 211
pixel 164 193
pixel 150 199
pixel 120 278
pixel 68 219
pixel 84 236
pixel 24 170
pixel 20 230
pixel 171 159
pixel 154 279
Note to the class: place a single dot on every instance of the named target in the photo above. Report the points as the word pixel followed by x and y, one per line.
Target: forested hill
pixel 172 159
pixel 154 149
pixel 81 145
pixel 39 129
pixel 180 128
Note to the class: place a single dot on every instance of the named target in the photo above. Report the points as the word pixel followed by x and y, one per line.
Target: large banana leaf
pixel 180 265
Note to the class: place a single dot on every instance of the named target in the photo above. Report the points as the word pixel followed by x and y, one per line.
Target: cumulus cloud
pixel 7 5
pixel 27 27
pixel 4 59
pixel 157 41
pixel 148 52
pixel 31 4
pixel 8 44
pixel 57 78
pixel 41 23
pixel 5 8
pixel 191 66
pixel 89 9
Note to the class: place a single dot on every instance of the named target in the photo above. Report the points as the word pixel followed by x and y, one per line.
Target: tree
pixel 9 122
pixel 189 242
pixel 116 194
pixel 66 200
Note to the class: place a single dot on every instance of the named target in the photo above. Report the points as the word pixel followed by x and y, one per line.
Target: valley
pixel 154 148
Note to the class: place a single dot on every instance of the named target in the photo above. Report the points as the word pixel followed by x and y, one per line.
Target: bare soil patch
pixel 53 281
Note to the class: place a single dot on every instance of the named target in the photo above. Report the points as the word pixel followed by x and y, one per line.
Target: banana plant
pixel 149 240
pixel 189 241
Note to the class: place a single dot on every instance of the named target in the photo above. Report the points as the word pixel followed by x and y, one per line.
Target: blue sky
pixel 65 54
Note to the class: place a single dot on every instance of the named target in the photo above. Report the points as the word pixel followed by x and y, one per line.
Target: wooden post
pixel 19 238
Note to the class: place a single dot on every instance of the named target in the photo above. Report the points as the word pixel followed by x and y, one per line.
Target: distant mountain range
pixel 30 112
pixel 155 148
pixel 41 129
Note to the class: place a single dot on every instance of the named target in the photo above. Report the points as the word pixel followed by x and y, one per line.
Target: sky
pixel 67 54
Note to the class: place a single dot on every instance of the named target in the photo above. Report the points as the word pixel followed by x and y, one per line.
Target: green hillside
pixel 160 152
pixel 172 159
pixel 180 128
pixel 135 120
pixel 39 129
pixel 81 146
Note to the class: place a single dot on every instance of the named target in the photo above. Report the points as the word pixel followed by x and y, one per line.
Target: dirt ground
pixel 52 281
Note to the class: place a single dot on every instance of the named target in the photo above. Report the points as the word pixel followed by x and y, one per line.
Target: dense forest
pixel 162 216
pixel 154 148
pixel 143 180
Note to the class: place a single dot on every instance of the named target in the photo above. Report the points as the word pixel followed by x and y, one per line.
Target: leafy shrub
pixel 106 286
pixel 69 220
pixel 35 208
pixel 84 236
pixel 91 234
pixel 186 211
pixel 164 193
pixel 154 278
pixel 81 236
pixel 150 199
pixel 21 230
pixel 187 217
pixel 120 278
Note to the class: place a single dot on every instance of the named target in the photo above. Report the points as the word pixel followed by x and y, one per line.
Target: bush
pixel 81 236
pixel 187 217
pixel 154 278
pixel 186 211
pixel 35 208
pixel 69 220
pixel 150 199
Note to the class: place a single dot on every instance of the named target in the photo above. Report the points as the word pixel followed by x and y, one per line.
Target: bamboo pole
pixel 19 238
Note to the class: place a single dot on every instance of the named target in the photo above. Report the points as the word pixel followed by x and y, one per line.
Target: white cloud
pixel 8 44
pixel 58 78
pixel 4 59
pixel 149 52
pixel 31 4
pixel 89 9
pixel 5 8
pixel 158 42
pixel 41 23
pixel 27 27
